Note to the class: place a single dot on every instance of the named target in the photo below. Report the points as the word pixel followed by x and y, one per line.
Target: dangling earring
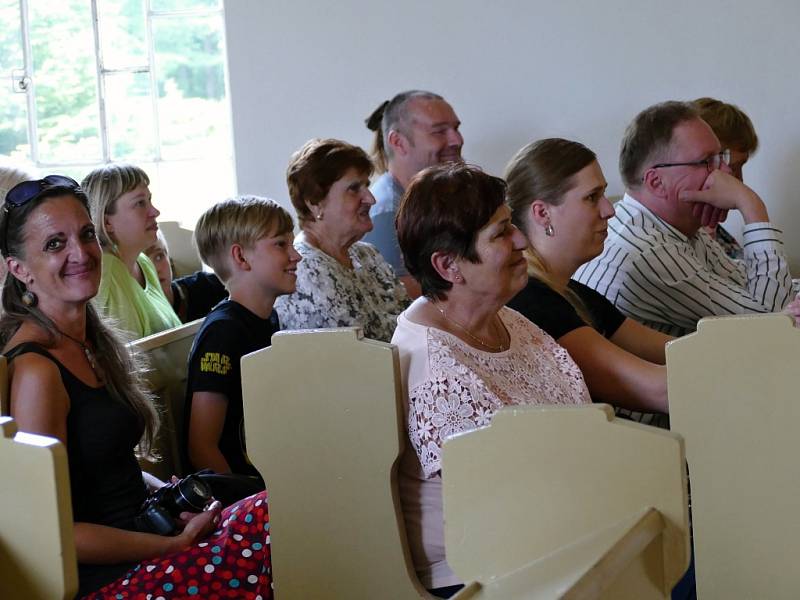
pixel 549 231
pixel 29 299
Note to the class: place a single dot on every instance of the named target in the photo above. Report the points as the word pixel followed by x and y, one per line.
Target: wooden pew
pixel 325 427
pixel 181 248
pixel 566 502
pixel 733 395
pixel 167 354
pixel 37 549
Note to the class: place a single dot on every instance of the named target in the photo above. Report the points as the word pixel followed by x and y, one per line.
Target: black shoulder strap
pixel 28 347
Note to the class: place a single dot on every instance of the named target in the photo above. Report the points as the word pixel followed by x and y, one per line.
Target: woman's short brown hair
pixel 443 209
pixel 730 124
pixel 315 167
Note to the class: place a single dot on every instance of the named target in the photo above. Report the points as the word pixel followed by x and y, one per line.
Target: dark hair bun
pixel 374 120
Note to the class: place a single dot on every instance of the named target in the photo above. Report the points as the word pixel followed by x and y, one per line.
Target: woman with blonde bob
pixel 126 226
pixel 556 191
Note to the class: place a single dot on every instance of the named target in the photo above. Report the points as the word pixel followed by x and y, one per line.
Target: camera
pixel 161 509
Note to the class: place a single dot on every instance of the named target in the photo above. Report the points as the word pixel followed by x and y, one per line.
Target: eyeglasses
pixel 24 192
pixel 711 163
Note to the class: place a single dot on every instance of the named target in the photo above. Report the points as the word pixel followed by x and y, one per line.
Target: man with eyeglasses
pixel 659 266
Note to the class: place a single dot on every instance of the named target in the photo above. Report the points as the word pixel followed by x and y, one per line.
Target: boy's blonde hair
pixel 242 220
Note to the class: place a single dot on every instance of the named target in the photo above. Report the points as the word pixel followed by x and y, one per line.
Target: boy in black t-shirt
pixel 248 243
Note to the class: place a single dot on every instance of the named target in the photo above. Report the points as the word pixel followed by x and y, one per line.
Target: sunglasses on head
pixel 24 192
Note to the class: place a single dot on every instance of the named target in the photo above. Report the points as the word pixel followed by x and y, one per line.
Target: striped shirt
pixel 655 274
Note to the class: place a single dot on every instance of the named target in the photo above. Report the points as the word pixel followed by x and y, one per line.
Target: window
pixel 142 81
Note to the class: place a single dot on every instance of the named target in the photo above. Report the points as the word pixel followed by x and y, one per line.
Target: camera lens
pixel 191 494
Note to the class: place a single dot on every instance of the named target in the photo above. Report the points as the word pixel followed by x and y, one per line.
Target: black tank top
pixel 105 477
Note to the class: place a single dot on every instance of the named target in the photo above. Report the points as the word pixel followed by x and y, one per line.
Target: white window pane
pixel 13 107
pixel 167 5
pixel 193 113
pixel 122 33
pixel 64 77
pixel 129 111
pixel 183 190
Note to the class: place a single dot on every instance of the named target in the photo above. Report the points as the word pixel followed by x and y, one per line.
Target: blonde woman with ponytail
pixel 556 191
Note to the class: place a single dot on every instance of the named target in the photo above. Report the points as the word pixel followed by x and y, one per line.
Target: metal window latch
pixel 20 82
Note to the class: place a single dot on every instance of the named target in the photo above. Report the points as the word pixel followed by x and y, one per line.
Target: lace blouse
pixel 452 388
pixel 331 295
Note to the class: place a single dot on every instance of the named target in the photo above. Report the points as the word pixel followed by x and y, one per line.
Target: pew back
pixel 181 248
pixel 324 428
pixel 167 355
pixel 733 396
pixel 37 550
pixel 551 502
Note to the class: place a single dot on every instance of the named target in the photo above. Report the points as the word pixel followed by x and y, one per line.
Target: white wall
pixel 514 71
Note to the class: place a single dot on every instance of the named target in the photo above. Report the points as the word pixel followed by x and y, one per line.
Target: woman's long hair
pixel 122 372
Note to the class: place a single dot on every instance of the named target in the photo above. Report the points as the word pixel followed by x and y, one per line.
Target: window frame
pixel 27 84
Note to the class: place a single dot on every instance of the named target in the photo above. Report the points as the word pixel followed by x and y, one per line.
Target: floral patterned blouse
pixel 330 295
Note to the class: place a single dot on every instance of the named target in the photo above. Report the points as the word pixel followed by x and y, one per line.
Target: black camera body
pixel 161 508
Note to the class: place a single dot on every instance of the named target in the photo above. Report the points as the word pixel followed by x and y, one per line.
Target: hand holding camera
pixel 172 507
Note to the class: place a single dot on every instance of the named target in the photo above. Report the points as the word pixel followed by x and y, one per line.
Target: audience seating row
pixel 545 503
pixel 536 505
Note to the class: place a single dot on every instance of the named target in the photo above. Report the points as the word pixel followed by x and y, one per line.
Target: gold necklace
pixel 90 358
pixel 473 337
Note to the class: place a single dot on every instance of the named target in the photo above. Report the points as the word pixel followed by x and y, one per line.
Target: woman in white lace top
pixel 463 355
pixel 341 281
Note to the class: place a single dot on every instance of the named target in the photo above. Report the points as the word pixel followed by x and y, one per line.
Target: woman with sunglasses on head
pixel 125 217
pixel 72 378
pixel 556 191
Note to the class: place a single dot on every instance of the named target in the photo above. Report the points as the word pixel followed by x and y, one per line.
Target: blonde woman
pixel 122 208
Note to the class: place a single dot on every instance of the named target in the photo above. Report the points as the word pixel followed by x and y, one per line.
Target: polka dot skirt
pixel 234 562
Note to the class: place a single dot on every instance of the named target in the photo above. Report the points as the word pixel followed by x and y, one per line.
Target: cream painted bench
pixel 167 354
pixel 37 549
pixel 566 502
pixel 733 395
pixel 181 248
pixel 588 507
